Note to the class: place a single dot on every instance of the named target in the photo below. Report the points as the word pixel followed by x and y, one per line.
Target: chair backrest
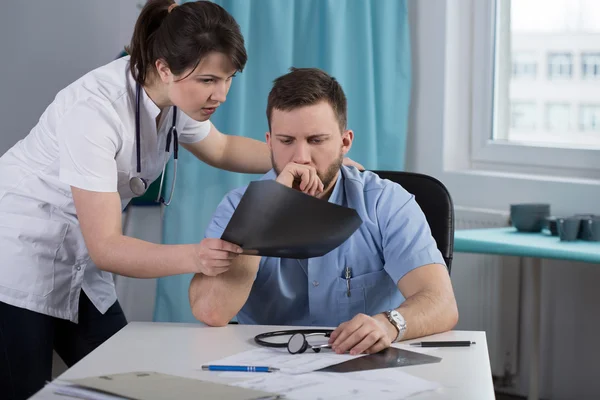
pixel 435 201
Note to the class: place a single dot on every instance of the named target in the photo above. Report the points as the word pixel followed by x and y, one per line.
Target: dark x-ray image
pixel 273 220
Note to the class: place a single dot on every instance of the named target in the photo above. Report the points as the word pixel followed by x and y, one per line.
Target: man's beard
pixel 327 177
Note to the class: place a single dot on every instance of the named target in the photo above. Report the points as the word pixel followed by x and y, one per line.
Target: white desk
pixel 180 349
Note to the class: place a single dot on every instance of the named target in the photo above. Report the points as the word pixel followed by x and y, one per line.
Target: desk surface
pixel 180 349
pixel 507 241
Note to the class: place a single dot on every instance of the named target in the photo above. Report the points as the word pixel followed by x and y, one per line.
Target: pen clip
pixel 348 275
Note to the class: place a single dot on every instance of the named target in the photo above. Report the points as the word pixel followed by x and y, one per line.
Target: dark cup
pixel 551 225
pixel 583 231
pixel 568 228
pixel 529 217
pixel 590 229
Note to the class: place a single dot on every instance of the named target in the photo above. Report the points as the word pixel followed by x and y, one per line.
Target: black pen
pixel 457 343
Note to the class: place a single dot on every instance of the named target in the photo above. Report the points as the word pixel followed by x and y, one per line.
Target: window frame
pixel 528 70
pixel 585 75
pixel 558 73
pixel 503 155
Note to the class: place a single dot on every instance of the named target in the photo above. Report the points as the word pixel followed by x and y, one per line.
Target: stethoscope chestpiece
pixel 297 342
pixel 137 185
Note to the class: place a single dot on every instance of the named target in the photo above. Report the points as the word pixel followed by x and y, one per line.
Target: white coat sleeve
pixel 194 131
pixel 88 139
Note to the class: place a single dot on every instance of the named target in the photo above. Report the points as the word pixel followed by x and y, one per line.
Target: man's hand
pixel 348 162
pixel 363 334
pixel 214 256
pixel 302 177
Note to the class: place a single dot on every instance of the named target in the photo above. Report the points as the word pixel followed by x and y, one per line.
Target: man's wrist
pixel 285 178
pixel 390 329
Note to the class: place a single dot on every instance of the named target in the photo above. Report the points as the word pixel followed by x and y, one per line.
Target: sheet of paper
pixel 380 384
pixel 286 362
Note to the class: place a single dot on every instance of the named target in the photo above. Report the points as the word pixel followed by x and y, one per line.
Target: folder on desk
pixel 153 386
pixel 274 220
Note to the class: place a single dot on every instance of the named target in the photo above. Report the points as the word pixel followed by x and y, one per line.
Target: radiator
pixel 487 290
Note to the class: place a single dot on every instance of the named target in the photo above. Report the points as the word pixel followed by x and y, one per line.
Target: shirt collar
pixel 146 104
pixel 338 189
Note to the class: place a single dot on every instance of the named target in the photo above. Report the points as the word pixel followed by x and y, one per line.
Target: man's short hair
pixel 306 87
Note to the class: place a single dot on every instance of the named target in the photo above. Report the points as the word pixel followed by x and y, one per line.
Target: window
pixel 523 115
pixel 560 65
pixel 524 65
pixel 589 118
pixel 558 117
pixel 590 65
pixel 549 124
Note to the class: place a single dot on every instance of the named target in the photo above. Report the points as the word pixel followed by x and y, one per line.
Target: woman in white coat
pixel 99 144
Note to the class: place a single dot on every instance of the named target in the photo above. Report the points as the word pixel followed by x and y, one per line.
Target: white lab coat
pixel 86 139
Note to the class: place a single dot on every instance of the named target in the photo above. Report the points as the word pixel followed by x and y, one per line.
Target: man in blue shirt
pixel 387 282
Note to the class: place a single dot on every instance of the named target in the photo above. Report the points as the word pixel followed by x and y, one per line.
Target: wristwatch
pixel 398 321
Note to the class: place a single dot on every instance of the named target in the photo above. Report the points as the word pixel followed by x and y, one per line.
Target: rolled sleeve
pixel 194 131
pixel 406 237
pixel 88 140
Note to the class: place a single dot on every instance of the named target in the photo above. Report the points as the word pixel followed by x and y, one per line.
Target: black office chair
pixel 435 201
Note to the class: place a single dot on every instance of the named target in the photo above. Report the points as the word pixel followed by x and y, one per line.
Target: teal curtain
pixel 364 44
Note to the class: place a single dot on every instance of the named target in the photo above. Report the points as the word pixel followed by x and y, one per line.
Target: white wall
pixel 48 44
pixel 570 295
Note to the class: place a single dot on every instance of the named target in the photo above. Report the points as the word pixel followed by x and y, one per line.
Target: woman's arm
pixel 238 153
pixel 99 215
pixel 232 153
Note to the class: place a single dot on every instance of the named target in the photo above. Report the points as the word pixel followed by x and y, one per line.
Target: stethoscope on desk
pixel 297 342
pixel 139 185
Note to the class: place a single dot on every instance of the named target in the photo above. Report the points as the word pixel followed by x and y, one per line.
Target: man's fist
pixel 302 177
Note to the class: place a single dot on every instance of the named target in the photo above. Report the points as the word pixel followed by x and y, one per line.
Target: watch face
pixel 398 319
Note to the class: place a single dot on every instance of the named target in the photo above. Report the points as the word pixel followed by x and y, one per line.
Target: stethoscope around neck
pixel 297 343
pixel 139 185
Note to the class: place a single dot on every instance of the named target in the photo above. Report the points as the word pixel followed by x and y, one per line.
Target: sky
pixel 555 15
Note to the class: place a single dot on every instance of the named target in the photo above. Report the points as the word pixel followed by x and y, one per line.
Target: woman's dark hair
pixel 182 36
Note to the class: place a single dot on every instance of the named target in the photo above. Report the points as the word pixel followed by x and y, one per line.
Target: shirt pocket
pixel 360 287
pixel 29 249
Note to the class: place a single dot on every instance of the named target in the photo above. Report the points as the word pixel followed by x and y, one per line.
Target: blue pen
pixel 238 368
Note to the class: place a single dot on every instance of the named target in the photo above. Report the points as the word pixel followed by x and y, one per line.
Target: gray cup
pixel 529 217
pixel 568 228
pixel 591 229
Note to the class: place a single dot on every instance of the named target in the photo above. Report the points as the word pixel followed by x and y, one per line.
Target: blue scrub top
pixel 393 239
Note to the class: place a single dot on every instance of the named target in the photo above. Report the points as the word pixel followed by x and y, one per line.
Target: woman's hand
pixel 350 163
pixel 214 256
